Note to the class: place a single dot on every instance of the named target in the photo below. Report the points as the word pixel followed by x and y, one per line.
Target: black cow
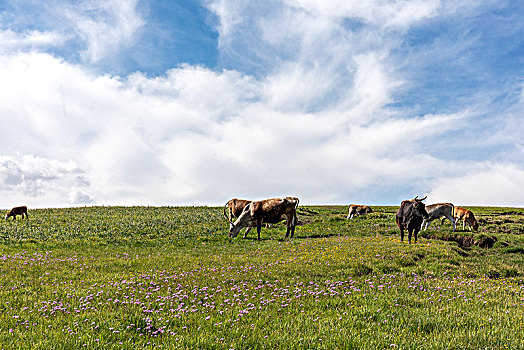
pixel 410 216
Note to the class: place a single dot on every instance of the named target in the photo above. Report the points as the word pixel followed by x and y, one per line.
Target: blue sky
pixel 195 102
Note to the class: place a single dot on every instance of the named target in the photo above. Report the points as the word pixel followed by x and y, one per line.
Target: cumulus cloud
pixel 489 185
pixel 319 121
pixel 39 180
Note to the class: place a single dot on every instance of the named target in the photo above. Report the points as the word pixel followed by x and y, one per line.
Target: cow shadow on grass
pixel 315 236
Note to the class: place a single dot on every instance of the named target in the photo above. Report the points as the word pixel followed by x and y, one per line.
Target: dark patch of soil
pixel 304 211
pixel 486 242
pixel 302 223
pixel 466 242
pixel 510 213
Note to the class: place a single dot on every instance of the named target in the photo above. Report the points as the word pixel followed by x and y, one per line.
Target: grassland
pixel 150 277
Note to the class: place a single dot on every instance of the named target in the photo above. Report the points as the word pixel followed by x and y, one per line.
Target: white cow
pixel 438 210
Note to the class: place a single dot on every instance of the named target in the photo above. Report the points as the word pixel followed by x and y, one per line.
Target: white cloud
pixel 38 180
pixel 106 26
pixel 487 185
pixel 379 13
pixel 13 41
pixel 317 124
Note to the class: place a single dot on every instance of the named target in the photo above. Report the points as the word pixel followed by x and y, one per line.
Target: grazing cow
pixel 233 208
pixel 17 211
pixel 269 211
pixel 410 216
pixel 438 210
pixel 357 210
pixel 466 216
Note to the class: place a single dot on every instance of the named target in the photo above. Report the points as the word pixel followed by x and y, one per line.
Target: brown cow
pixel 17 211
pixel 357 210
pixel 269 211
pixel 233 208
pixel 466 216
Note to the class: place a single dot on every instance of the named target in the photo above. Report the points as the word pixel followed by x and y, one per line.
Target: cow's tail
pixel 295 220
pixel 454 222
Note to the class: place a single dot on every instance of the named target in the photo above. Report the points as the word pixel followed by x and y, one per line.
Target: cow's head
pixel 419 207
pixel 472 221
pixel 242 221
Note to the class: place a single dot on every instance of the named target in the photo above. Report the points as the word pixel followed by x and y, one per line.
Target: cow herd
pixel 412 216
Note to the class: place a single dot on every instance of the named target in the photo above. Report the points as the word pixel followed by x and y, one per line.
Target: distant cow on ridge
pixel 466 216
pixel 357 210
pixel 438 210
pixel 410 216
pixel 269 211
pixel 17 211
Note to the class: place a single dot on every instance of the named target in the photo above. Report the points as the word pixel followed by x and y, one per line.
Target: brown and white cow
pixel 233 208
pixel 357 210
pixel 17 211
pixel 438 210
pixel 269 211
pixel 466 216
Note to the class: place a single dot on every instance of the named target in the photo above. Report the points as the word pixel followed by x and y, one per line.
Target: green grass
pixel 169 277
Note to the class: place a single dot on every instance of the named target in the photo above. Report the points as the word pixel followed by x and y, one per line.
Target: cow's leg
pixel 399 224
pixel 410 232
pixel 463 225
pixel 294 224
pixel 450 218
pixel 259 228
pixel 247 230
pixel 416 234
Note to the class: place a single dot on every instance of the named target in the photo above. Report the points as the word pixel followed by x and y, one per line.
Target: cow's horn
pixel 415 198
pixel 423 198
pixel 227 218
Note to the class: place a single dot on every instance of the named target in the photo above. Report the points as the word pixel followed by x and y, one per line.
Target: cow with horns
pixel 410 216
pixel 268 211
pixel 233 208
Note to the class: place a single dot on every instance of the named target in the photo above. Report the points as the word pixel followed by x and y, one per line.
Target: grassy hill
pixel 169 277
